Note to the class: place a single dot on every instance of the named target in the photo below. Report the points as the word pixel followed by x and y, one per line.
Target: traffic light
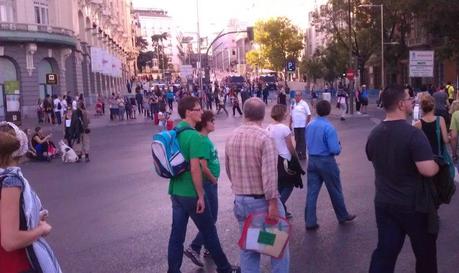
pixel 250 33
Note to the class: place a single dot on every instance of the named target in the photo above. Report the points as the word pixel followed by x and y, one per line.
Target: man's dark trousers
pixel 393 225
pixel 300 140
pixel 182 209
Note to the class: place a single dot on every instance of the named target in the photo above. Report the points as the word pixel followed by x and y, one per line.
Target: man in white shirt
pixel 57 109
pixel 301 116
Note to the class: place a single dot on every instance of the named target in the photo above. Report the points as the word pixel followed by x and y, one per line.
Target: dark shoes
pixel 311 228
pixel 194 256
pixel 234 269
pixel 288 215
pixel 349 218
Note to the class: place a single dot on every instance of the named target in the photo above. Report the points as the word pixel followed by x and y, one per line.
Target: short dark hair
pixel 278 112
pixel 323 108
pixel 206 117
pixel 186 103
pixel 254 109
pixel 391 96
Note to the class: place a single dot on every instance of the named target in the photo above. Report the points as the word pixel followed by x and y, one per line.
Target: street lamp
pixel 199 45
pixel 381 6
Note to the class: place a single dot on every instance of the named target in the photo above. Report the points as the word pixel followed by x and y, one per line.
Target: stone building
pixel 43 37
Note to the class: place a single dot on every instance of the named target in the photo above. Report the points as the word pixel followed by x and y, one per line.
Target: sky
pixel 214 15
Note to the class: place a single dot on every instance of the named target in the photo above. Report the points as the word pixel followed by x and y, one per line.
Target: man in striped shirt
pixel 251 165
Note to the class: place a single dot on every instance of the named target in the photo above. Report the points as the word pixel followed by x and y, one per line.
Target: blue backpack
pixel 167 157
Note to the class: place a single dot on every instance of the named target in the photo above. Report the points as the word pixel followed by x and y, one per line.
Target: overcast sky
pixel 215 14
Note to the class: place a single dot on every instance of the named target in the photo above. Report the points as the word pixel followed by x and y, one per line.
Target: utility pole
pixel 351 82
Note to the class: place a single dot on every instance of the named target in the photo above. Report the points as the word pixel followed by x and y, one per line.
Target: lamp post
pixel 381 6
pixel 199 45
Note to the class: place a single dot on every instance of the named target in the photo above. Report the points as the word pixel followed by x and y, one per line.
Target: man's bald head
pixel 254 109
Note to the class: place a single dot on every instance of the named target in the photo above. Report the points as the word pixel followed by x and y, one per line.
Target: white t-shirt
pixel 64 105
pixel 56 103
pixel 300 112
pixel 278 132
pixel 74 105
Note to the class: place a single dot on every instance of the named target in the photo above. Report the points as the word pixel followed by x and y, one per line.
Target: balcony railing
pixel 36 28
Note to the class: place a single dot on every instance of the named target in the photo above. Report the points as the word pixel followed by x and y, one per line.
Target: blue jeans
pixel 250 260
pixel 393 226
pixel 211 191
pixel 285 192
pixel 323 169
pixel 182 209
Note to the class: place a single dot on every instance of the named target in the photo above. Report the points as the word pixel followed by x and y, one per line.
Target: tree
pixel 141 43
pixel 279 41
pixel 312 67
pixel 333 20
pixel 144 59
pixel 158 50
pixel 440 21
pixel 256 59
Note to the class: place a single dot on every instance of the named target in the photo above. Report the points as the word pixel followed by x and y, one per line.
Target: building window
pixel 41 12
pixel 6 11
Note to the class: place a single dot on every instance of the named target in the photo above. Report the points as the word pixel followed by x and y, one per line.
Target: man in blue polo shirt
pixel 323 146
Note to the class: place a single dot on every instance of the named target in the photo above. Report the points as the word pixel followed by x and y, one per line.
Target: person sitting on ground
pixel 41 143
pixel 31 152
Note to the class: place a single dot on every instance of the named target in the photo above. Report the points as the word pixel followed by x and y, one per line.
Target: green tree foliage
pixel 141 43
pixel 158 50
pixel 312 68
pixel 144 59
pixel 279 41
pixel 256 59
pixel 440 19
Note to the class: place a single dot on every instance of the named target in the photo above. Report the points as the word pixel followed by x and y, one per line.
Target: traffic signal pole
pixel 249 31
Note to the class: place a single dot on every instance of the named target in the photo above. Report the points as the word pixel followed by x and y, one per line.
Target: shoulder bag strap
pixel 437 132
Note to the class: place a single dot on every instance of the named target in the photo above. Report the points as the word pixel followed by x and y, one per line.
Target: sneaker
pixel 194 256
pixel 358 113
pixel 313 227
pixel 234 269
pixel 349 218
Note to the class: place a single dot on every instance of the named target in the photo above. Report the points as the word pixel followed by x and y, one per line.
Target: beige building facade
pixel 39 38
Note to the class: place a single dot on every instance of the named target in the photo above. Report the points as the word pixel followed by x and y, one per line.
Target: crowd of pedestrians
pixel 264 165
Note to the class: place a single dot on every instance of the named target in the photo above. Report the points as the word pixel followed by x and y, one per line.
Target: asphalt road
pixel 113 215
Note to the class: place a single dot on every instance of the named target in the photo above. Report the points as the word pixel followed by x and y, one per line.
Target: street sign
pixel 350 74
pixel 51 78
pixel 421 63
pixel 291 66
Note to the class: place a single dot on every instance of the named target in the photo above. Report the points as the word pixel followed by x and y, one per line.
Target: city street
pixel 114 214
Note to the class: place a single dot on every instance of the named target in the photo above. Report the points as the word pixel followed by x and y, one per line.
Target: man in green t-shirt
pixel 210 166
pixel 188 197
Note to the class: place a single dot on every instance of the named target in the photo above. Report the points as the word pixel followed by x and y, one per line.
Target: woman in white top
pixel 289 168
